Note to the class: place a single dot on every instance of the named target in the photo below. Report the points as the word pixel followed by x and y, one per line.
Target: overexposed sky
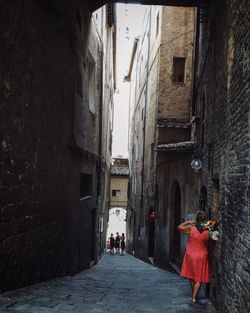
pixel 129 26
pixel 117 222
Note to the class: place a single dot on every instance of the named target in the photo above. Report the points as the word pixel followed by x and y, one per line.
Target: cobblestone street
pixel 117 284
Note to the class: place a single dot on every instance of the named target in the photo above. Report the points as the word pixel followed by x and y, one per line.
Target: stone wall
pixel 46 141
pixel 120 183
pixel 176 41
pixel 155 96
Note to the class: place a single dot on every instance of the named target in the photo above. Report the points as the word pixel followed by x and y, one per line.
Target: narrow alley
pixel 124 124
pixel 117 284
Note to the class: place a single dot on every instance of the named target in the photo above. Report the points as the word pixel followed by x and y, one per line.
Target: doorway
pixel 151 233
pixel 93 235
pixel 176 220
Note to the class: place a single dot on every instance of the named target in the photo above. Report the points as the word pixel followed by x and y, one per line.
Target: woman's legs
pixel 196 289
pixel 192 285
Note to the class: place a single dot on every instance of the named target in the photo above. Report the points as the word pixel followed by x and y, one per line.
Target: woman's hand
pixel 186 227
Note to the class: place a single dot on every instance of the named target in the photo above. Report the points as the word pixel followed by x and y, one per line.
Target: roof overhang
pixel 119 171
pixel 95 4
pixel 186 146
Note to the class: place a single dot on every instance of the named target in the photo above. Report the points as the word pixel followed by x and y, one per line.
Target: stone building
pixel 57 81
pixel 105 19
pixel 211 126
pixel 119 183
pixel 161 179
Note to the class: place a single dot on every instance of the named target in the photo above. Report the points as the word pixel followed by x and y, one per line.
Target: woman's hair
pixel 200 216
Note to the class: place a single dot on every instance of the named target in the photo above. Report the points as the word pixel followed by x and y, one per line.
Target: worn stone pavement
pixel 117 284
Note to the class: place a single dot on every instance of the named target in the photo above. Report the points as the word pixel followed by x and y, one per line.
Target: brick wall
pixel 223 85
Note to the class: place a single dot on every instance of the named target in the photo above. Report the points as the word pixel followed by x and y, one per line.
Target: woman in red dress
pixel 195 264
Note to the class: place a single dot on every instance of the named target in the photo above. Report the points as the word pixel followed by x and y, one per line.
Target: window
pixel 139 231
pixel 203 202
pixel 216 195
pixel 85 185
pixel 203 111
pixel 157 25
pixel 178 70
pixel 116 193
pixel 142 114
pixel 138 113
pixel 91 84
pixel 152 150
pixel 140 70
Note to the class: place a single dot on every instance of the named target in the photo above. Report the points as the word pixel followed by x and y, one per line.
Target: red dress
pixel 195 263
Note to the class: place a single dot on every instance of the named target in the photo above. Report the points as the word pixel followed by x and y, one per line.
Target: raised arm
pixel 186 227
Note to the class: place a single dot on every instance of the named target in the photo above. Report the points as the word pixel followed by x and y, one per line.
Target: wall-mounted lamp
pixel 196 164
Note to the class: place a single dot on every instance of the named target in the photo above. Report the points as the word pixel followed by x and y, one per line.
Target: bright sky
pixel 129 25
pixel 117 222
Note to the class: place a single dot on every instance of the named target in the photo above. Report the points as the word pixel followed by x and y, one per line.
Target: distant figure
pixel 195 265
pixel 111 244
pixel 117 243
pixel 122 244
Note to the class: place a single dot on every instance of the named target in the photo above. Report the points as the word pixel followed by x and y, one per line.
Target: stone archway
pixel 117 220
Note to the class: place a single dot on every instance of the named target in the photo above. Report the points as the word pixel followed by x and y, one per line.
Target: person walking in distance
pixel 111 244
pixel 117 243
pixel 195 264
pixel 122 244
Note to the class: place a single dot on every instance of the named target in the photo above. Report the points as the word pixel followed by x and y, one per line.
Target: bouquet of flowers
pixel 211 226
